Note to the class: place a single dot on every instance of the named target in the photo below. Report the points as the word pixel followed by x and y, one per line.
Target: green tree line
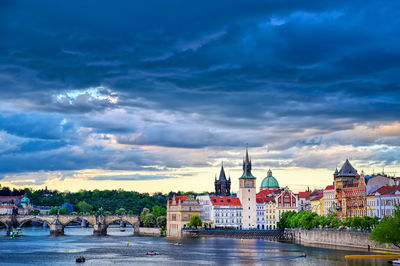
pixel 308 220
pixel 110 201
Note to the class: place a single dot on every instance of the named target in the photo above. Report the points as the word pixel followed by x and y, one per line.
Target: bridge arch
pixel 123 219
pixel 65 222
pixel 5 223
pixel 38 218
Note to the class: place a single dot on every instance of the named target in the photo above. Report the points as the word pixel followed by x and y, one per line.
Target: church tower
pixel 222 185
pixel 247 195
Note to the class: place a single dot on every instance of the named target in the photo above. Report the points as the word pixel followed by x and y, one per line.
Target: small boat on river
pixel 16 233
pixel 152 253
pixel 80 259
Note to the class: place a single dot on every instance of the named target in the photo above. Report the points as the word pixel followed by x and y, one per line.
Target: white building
pixel 387 197
pixel 261 222
pixel 226 212
pixel 304 202
pixel 206 210
pixel 329 199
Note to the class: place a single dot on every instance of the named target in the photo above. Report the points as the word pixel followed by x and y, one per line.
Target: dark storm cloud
pixel 190 75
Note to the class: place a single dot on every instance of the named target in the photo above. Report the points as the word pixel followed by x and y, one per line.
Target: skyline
pixel 154 96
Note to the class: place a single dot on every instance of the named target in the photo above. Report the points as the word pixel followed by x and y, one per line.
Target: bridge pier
pixel 99 229
pixel 56 228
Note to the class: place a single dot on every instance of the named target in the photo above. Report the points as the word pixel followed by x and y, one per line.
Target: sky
pixel 153 95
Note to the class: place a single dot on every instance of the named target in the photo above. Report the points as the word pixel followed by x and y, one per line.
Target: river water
pixel 36 247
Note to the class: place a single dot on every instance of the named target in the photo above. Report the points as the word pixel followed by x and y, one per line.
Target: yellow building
pixel 317 204
pixel 371 207
pixel 179 211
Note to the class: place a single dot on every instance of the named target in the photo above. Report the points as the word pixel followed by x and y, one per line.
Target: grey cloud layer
pixel 81 82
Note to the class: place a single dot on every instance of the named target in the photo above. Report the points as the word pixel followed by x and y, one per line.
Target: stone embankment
pixel 149 231
pixel 255 234
pixel 338 239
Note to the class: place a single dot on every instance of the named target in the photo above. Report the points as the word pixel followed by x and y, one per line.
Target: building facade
pixel 179 211
pixel 386 198
pixel 286 200
pixel 226 212
pixel 350 192
pixel 329 199
pixel 304 203
pixel 206 210
pixel 371 205
pixel 247 195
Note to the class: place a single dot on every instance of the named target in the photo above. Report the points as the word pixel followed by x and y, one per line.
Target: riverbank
pixel 345 239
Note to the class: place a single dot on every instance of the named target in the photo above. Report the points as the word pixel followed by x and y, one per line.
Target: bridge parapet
pixel 57 223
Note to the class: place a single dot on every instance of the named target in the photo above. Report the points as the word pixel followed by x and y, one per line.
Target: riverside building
pixel 179 211
pixel 386 198
pixel 350 192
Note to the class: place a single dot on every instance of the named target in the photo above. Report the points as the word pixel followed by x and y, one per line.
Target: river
pixel 37 247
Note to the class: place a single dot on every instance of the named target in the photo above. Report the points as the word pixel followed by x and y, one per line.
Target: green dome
pixel 25 200
pixel 269 181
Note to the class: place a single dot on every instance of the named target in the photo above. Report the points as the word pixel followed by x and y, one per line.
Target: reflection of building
pixel 329 199
pixel 227 212
pixel 222 185
pixel 387 197
pixel 247 195
pixel 179 211
pixel 350 191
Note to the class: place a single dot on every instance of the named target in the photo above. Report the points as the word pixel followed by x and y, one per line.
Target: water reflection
pixel 37 247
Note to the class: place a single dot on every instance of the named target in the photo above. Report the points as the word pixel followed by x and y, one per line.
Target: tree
pixel 158 211
pixel 143 215
pixel 149 220
pixel 347 222
pixel 83 206
pixel 388 230
pixel 195 221
pixel 34 212
pixel 64 210
pixel 53 211
pixel 121 211
pixel 161 221
pixel 356 222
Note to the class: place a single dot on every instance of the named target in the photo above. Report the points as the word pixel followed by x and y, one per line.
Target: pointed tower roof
pixel 348 170
pixel 247 166
pixel 222 176
pixel 336 171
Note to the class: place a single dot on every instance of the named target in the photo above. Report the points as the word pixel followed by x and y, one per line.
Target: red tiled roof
pixel 230 201
pixel 330 187
pixel 304 194
pixel 8 206
pixel 178 198
pixel 387 190
pixel 265 193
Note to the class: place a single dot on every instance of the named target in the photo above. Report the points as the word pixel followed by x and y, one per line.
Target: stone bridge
pixel 58 222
